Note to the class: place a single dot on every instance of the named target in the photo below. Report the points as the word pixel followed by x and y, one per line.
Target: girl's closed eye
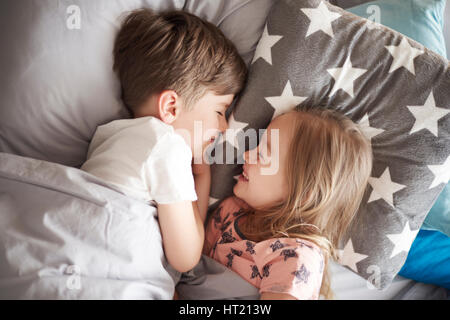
pixel 263 154
pixel 221 113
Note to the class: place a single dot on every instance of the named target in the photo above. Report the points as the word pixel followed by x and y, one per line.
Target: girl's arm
pixel 276 296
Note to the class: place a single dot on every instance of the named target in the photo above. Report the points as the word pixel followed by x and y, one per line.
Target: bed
pixel 57 86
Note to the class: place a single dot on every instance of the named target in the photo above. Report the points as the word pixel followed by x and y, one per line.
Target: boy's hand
pixel 202 178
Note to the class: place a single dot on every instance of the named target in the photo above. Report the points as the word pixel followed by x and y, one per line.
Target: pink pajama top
pixel 280 265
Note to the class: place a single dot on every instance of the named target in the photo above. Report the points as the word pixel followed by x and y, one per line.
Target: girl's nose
pixel 246 157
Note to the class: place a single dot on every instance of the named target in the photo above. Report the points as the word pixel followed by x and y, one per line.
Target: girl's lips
pixel 244 176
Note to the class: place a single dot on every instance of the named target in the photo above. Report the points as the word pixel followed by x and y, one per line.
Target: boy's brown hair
pixel 174 50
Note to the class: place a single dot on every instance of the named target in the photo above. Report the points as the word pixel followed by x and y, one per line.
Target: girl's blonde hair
pixel 328 167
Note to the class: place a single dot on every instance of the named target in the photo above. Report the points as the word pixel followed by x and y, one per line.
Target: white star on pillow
pixel 369 132
pixel 427 116
pixel 320 19
pixel 441 173
pixel 286 102
pixel 402 241
pixel 264 47
pixel 345 77
pixel 384 188
pixel 234 127
pixel 212 200
pixel 348 256
pixel 403 56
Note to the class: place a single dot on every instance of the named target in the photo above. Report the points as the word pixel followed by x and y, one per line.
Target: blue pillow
pixel 428 259
pixel 421 20
pixel 439 216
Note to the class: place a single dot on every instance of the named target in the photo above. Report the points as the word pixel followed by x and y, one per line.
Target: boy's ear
pixel 169 106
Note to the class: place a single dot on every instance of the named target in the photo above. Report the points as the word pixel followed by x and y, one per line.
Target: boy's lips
pixel 214 138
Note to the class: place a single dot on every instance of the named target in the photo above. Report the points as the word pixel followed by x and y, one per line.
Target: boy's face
pixel 204 121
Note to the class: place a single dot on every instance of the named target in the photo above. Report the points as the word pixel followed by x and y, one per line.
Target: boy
pixel 176 71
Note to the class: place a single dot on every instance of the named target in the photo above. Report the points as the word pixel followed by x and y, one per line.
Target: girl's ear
pixel 169 106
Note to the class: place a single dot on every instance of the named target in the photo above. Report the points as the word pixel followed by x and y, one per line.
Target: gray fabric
pixel 347 285
pixel 381 95
pixel 57 83
pixel 65 234
pixel 242 21
pixel 422 291
pixel 210 280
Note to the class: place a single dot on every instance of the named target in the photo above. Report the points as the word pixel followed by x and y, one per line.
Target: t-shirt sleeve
pixel 169 172
pixel 287 266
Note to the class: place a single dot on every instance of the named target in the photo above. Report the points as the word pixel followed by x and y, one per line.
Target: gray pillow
pixel 57 83
pixel 397 90
pixel 242 21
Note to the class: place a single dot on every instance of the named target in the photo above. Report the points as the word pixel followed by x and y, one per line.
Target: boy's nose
pixel 223 125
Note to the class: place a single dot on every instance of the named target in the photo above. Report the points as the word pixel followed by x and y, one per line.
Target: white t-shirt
pixel 145 158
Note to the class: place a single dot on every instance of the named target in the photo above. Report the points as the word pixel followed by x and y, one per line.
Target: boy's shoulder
pixel 137 138
pixel 152 123
pixel 142 130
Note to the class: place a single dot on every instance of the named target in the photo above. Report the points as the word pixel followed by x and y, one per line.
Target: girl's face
pixel 259 184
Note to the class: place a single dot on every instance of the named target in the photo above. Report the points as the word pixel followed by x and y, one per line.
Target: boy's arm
pixel 202 178
pixel 182 233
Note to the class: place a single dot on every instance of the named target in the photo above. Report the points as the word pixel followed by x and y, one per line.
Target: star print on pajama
pixel 281 265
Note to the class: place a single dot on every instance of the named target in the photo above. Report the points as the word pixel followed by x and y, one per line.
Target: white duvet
pixel 66 235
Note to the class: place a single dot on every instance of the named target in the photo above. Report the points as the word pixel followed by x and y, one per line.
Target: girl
pixel 278 231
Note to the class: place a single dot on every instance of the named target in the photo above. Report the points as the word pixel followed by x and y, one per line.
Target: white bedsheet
pixel 347 285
